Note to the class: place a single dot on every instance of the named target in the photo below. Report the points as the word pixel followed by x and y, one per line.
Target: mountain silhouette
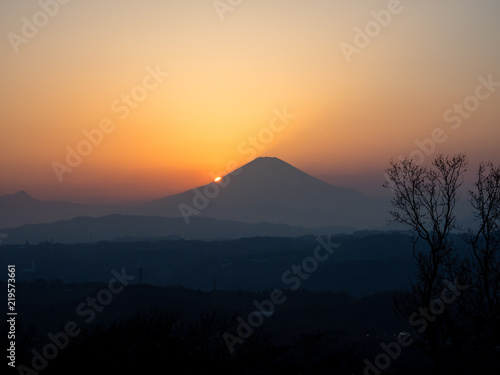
pixel 271 190
pixel 266 189
pixel 21 208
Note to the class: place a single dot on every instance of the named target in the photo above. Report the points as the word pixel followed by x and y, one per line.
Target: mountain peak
pixel 22 194
pixel 267 162
pixel 267 158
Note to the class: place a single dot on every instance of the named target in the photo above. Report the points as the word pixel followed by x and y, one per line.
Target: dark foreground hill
pixel 144 329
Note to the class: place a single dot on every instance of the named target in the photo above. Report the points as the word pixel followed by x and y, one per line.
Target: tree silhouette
pixel 424 198
pixel 466 336
pixel 484 268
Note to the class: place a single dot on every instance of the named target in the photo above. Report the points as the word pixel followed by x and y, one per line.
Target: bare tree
pixel 485 243
pixel 424 198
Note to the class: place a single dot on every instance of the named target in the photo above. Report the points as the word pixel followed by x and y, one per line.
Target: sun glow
pixel 217 179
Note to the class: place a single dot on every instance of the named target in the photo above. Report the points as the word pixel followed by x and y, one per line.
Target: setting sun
pixel 217 179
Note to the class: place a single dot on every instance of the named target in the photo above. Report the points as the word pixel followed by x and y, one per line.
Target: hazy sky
pixel 179 86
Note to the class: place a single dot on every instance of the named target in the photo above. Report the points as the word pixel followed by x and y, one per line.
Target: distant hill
pixel 128 227
pixel 21 208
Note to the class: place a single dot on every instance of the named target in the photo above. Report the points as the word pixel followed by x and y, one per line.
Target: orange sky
pixel 182 88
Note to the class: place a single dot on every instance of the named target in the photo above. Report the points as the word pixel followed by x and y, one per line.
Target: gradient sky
pixel 226 79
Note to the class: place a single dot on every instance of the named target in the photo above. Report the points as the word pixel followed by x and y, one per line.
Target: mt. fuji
pixel 270 190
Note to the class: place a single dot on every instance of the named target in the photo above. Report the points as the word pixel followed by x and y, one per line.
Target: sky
pixel 136 100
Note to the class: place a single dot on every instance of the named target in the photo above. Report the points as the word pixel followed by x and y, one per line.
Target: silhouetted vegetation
pixel 148 328
pixel 454 298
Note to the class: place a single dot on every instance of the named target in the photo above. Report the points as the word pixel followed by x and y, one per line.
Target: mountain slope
pixel 269 189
